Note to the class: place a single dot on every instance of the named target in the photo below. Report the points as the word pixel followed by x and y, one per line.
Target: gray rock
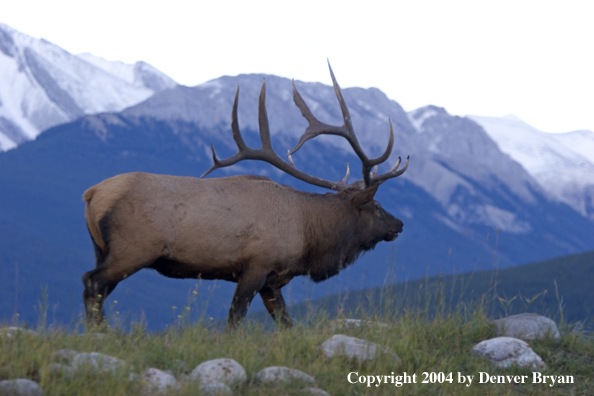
pixel 506 351
pixel 97 362
pixel 527 326
pixel 351 347
pixel 282 374
pixel 316 392
pixel 226 371
pixel 215 389
pixel 64 356
pixel 157 382
pixel 20 387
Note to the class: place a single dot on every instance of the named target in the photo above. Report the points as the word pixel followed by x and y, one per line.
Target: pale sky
pixel 533 59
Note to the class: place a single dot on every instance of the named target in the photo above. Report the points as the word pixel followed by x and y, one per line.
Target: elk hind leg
pixel 248 286
pixel 275 305
pixel 100 282
pixel 98 286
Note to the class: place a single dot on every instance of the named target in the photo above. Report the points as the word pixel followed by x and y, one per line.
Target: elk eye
pixel 377 206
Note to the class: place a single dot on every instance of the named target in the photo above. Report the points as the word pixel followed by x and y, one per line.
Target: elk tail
pixel 93 225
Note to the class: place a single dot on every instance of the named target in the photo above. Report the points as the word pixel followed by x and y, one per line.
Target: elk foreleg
pixel 248 286
pixel 275 304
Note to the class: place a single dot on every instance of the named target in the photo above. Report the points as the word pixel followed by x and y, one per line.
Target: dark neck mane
pixel 332 237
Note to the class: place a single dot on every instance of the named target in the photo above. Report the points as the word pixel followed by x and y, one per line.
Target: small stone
pixel 97 362
pixel 351 347
pixel 20 387
pixel 157 382
pixel 527 326
pixel 283 374
pixel 215 389
pixel 226 371
pixel 506 351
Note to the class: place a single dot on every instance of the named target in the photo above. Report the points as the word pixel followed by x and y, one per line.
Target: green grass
pixel 432 326
pixel 426 340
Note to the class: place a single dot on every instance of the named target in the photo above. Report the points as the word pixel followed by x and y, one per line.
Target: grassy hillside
pixel 554 288
pixel 441 343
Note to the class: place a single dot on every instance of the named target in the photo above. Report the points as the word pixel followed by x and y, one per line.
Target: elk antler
pixel 266 152
pixel 317 128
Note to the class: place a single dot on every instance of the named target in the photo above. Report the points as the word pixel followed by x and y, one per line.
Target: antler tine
pixel 290 158
pixel 266 152
pixel 235 124
pixel 243 148
pixel 315 127
pixel 345 179
pixel 394 172
pixel 263 119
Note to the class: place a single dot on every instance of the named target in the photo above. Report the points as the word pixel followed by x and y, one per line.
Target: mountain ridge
pixel 42 85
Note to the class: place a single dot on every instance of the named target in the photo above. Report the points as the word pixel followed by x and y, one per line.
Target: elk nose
pixel 399 225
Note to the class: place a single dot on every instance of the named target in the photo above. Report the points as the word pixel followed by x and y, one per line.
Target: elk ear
pixel 364 196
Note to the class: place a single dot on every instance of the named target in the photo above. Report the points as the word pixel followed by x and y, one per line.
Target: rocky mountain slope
pixel 42 85
pixel 562 163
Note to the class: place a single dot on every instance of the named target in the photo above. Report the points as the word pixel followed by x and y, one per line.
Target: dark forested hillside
pixel 559 288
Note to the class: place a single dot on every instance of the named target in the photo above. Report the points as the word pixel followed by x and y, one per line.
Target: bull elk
pixel 244 229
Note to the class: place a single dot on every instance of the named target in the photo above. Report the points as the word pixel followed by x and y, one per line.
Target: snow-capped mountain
pixel 563 163
pixel 42 85
pixel 139 74
pixel 458 153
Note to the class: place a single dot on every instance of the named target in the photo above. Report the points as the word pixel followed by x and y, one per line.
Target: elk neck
pixel 334 236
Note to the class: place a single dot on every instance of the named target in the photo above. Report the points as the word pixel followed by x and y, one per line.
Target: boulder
pixel 351 347
pixel 97 362
pixel 157 382
pixel 215 389
pixel 506 351
pixel 226 371
pixel 282 374
pixel 527 326
pixel 20 387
